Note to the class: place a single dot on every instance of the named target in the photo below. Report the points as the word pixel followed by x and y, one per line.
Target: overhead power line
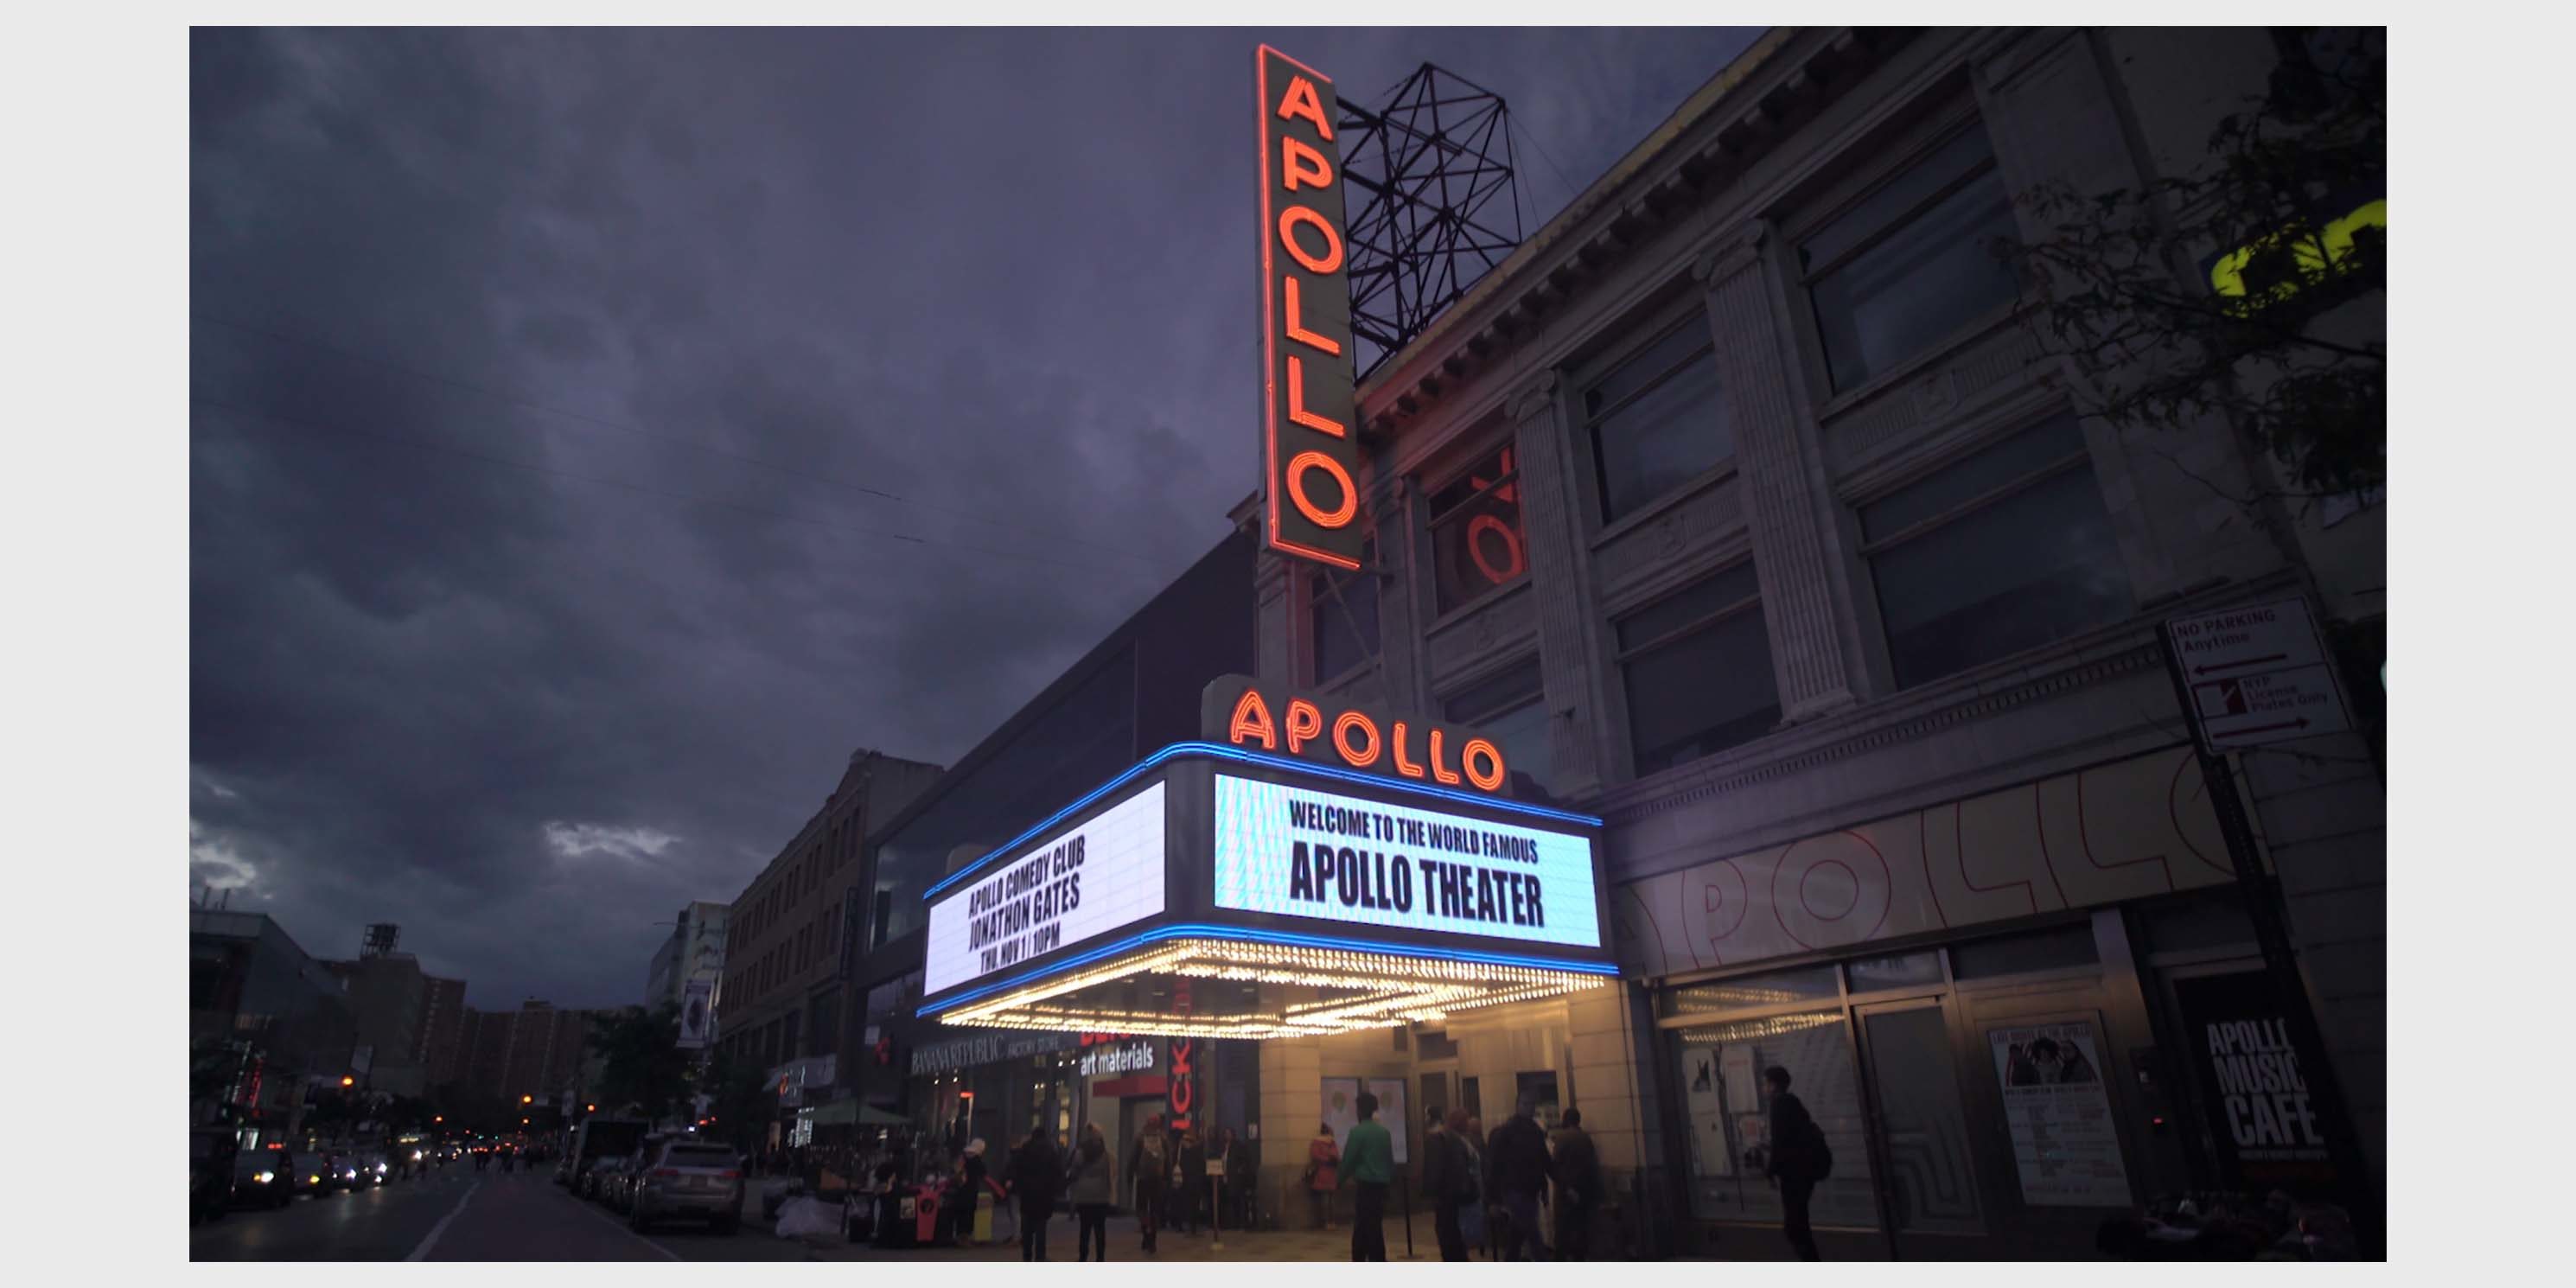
pixel 240 409
pixel 517 400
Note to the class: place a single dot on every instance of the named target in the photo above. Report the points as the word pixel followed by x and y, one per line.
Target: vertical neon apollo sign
pixel 1309 398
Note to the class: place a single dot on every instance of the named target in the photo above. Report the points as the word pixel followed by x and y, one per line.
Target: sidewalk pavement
pixel 1124 1240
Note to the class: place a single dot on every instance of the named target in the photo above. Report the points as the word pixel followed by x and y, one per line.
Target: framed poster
pixel 2066 1146
pixel 1341 1108
pixel 1391 1112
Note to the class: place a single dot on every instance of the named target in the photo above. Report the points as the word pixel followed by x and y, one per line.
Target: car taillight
pixel 667 1173
pixel 732 1175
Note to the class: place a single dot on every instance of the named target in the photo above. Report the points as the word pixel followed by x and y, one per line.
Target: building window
pixel 2006 550
pixel 1512 707
pixel 1658 420
pixel 1697 670
pixel 1477 545
pixel 1912 262
pixel 1343 611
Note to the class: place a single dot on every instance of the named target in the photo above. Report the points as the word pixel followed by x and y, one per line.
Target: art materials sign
pixel 1136 1056
pixel 2065 1145
pixel 1309 397
pixel 1296 852
pixel 697 1014
pixel 1080 883
pixel 2257 674
pixel 1242 712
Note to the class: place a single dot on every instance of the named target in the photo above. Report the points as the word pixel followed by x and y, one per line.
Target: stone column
pixel 1292 1092
pixel 1274 644
pixel 1785 498
pixel 1568 648
pixel 1399 639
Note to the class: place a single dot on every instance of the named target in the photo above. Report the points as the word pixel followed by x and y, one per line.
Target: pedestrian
pixel 1145 1163
pixel 1473 1220
pixel 970 1181
pixel 1577 1175
pixel 1368 1165
pixel 1449 1176
pixel 1092 1185
pixel 1323 1158
pixel 1242 1179
pixel 1189 1181
pixel 1520 1163
pixel 1037 1172
pixel 1797 1159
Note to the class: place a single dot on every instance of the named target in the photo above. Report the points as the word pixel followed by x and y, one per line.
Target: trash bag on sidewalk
pixel 803 1218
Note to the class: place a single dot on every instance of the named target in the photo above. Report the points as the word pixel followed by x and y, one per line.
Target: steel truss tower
pixel 1431 161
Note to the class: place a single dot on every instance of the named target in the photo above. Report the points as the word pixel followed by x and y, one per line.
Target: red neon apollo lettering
pixel 1300 726
pixel 1309 401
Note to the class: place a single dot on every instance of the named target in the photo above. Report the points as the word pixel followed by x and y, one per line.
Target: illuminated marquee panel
pixel 1309 398
pixel 1300 852
pixel 1319 990
pixel 1074 886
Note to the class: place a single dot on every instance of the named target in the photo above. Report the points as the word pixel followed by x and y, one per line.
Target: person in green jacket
pixel 1368 1161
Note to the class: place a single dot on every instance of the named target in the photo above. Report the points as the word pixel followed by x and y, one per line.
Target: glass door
pixel 1922 1123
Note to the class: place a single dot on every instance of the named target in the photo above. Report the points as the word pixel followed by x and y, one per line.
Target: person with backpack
pixel 1799 1159
pixel 1145 1162
pixel 1037 1174
pixel 1323 1161
pixel 1520 1164
pixel 1449 1175
pixel 1577 1175
pixel 1092 1187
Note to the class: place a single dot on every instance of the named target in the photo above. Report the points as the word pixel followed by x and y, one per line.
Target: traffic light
pixel 590 1109
pixel 527 1100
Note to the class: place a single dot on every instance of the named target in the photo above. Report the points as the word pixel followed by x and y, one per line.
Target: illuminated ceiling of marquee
pixel 1255 990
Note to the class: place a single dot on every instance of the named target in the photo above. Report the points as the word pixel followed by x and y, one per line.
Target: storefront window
pixel 1727 1106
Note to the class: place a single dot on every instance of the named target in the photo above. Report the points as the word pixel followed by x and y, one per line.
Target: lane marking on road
pixel 441 1228
pixel 621 1227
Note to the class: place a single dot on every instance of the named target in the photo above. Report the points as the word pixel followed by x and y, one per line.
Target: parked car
pixel 264 1178
pixel 210 1172
pixel 688 1180
pixel 599 1181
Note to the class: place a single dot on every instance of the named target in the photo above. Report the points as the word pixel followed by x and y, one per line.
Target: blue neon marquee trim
pixel 1250 934
pixel 1218 751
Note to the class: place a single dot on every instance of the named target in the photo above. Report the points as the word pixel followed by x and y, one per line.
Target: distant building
pixel 389 997
pixel 264 1015
pixel 538 1051
pixel 440 1048
pixel 694 950
pixel 789 930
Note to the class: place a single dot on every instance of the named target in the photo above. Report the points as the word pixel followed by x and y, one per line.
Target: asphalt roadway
pixel 459 1214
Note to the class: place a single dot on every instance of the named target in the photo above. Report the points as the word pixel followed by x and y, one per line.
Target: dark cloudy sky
pixel 597 435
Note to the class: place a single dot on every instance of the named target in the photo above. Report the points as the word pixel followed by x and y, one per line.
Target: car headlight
pixel 263 1178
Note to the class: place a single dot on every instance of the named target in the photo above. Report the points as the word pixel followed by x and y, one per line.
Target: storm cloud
pixel 597 435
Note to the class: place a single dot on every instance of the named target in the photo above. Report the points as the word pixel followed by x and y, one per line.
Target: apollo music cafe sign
pixel 1242 712
pixel 1309 397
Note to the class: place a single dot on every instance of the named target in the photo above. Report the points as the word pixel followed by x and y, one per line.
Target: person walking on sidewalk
pixel 1091 1185
pixel 1798 1161
pixel 1189 1181
pixel 1146 1165
pixel 1323 1157
pixel 1449 1176
pixel 1036 1173
pixel 1578 1187
pixel 1369 1164
pixel 1520 1163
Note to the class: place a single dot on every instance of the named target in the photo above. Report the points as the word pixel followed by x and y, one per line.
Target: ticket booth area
pixel 1214 894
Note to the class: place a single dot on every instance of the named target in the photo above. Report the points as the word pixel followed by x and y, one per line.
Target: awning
pixel 842 1113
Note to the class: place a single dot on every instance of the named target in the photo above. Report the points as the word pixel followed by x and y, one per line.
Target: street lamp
pixel 522 1100
pixel 347 1081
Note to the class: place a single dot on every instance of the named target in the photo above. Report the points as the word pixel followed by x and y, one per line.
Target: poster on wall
pixel 2065 1145
pixel 1341 1108
pixel 1704 1099
pixel 2254 1081
pixel 1391 1113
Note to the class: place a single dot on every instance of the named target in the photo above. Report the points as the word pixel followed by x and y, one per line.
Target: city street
pixel 463 1215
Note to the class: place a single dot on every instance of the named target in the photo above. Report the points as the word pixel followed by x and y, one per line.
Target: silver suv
pixel 686 1179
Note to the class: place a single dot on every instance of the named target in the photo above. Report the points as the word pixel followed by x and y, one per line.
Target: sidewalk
pixel 1063 1231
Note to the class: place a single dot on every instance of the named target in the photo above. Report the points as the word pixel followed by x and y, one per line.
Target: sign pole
pixel 2280 962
